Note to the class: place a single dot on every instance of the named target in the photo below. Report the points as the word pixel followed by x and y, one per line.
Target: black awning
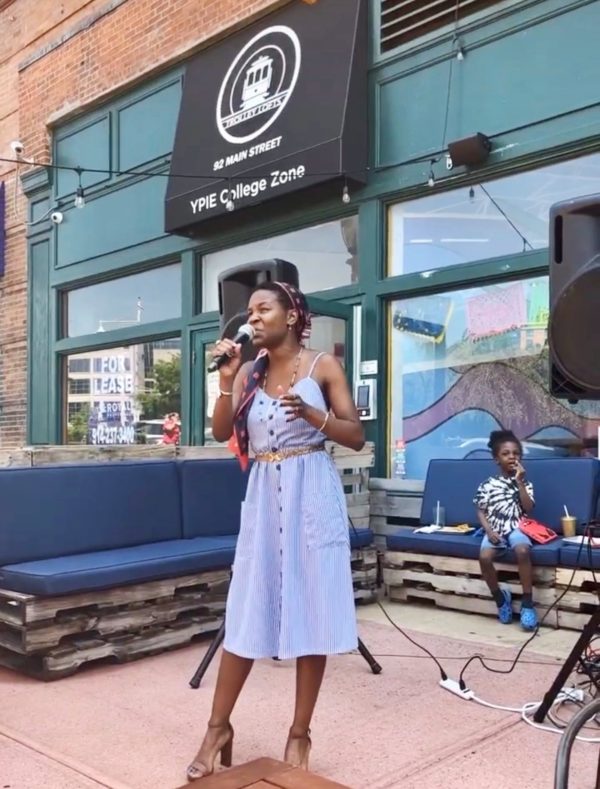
pixel 276 107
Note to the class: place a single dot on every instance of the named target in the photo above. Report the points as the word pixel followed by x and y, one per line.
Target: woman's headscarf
pixel 239 443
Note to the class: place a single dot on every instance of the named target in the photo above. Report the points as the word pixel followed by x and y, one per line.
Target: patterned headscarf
pixel 239 443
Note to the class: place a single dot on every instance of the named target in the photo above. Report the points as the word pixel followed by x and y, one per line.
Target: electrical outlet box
pixel 453 686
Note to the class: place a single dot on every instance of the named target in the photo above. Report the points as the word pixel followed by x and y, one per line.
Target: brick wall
pixel 56 60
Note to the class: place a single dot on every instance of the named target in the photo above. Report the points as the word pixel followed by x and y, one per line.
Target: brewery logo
pixel 258 84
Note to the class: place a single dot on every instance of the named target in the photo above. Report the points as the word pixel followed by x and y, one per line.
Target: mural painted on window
pixel 467 362
pixel 128 395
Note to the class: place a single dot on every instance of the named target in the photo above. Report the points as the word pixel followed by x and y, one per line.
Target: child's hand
pixel 520 475
pixel 494 538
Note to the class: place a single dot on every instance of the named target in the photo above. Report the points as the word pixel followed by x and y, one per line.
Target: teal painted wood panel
pixel 146 127
pixel 38 209
pixel 39 350
pixel 85 147
pixel 522 78
pixel 123 218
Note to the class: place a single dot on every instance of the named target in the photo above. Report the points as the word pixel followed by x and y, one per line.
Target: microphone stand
pixel 218 639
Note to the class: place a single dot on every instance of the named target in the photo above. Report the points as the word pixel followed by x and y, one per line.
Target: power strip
pixel 453 686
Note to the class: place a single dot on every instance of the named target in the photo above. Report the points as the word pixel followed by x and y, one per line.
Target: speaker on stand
pixel 574 326
pixel 235 286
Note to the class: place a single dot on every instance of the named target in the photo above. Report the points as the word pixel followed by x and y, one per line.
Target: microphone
pixel 244 334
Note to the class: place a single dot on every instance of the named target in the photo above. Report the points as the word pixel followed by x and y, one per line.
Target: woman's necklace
pixel 294 373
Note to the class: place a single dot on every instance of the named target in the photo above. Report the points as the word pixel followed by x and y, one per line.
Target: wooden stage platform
pixel 264 774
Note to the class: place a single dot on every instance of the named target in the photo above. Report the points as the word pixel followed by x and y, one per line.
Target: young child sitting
pixel 501 502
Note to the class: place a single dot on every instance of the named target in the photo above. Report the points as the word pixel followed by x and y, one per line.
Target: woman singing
pixel 291 591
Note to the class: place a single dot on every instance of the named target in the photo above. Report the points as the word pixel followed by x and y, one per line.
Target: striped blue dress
pixel 291 590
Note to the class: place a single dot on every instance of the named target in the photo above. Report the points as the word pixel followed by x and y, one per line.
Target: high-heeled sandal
pixel 202 769
pixel 303 763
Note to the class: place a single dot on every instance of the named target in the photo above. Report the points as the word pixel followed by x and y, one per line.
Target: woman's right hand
pixel 494 537
pixel 229 369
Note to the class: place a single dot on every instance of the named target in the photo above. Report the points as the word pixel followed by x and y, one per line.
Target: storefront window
pixel 326 257
pixel 124 395
pixel 149 296
pixel 466 362
pixel 467 224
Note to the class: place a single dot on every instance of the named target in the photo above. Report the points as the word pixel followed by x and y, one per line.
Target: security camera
pixel 17 147
pixel 56 217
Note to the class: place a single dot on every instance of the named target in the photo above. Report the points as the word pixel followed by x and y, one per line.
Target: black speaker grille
pixel 574 332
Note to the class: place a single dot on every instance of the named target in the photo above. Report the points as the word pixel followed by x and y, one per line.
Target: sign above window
pixel 277 107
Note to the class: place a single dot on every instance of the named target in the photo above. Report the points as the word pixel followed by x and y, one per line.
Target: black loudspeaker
pixel 470 151
pixel 236 285
pixel 574 324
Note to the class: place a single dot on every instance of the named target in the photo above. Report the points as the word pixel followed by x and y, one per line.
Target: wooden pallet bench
pixel 455 583
pixel 51 637
pixel 365 574
pixel 578 593
pixel 394 503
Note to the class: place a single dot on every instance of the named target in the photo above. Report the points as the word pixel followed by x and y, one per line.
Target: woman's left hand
pixel 294 405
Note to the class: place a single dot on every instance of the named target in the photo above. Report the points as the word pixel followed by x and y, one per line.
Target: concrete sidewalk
pixel 136 726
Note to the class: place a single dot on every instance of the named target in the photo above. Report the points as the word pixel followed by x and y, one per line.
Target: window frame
pixel 62 365
pixel 504 269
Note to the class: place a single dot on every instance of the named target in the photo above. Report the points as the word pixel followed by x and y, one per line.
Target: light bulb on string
pixel 346 195
pixel 431 178
pixel 471 195
pixel 460 54
pixel 79 196
pixel 230 205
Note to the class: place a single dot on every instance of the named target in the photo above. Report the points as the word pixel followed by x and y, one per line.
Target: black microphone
pixel 244 334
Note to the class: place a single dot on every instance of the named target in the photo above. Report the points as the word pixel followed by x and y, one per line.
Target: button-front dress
pixel 291 591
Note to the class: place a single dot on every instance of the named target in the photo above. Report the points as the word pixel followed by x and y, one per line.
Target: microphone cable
pixel 482 658
pixel 427 652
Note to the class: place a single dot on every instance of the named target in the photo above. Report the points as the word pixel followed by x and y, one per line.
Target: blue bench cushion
pixel 60 510
pixel 212 492
pixel 466 546
pixel 579 556
pixel 361 538
pixel 574 482
pixel 104 569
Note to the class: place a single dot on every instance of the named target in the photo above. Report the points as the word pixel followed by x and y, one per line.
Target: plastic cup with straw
pixel 569 523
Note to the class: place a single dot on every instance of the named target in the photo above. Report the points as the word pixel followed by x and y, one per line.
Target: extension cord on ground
pixel 453 686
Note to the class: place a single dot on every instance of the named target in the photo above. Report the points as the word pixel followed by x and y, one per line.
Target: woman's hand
pixel 494 537
pixel 228 370
pixel 294 405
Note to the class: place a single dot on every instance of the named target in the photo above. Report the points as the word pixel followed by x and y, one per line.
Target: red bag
pixel 536 531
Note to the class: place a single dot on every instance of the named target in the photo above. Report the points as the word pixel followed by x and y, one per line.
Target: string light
pixel 346 195
pixel 431 179
pixel 460 53
pixel 155 174
pixel 79 196
pixel 230 205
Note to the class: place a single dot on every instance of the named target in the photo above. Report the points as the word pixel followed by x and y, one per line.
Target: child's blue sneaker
pixel 529 619
pixel 505 613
